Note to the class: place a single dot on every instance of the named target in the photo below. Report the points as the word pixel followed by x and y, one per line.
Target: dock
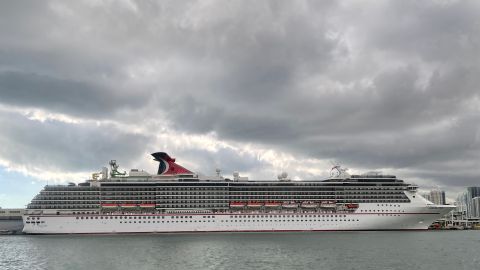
pixel 11 220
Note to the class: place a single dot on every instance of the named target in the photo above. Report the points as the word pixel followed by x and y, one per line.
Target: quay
pixel 11 220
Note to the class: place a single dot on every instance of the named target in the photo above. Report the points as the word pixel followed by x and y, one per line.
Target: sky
pixel 259 87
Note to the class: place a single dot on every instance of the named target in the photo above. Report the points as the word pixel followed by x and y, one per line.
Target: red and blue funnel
pixel 167 164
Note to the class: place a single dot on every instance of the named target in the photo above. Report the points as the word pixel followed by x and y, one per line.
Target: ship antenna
pixel 114 169
pixel 337 171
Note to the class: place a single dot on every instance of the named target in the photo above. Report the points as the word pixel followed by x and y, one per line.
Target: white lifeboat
pixel 254 204
pixel 272 204
pixel 290 205
pixel 237 204
pixel 328 204
pixel 309 205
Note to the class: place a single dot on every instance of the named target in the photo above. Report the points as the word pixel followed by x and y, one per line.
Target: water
pixel 326 250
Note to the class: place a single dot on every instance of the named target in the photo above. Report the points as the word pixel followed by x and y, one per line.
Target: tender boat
pixel 328 204
pixel 272 204
pixel 254 204
pixel 237 204
pixel 309 205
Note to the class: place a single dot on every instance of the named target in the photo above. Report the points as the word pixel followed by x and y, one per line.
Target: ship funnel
pixel 167 164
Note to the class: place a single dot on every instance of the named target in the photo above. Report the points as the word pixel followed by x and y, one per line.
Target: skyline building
pixel 468 202
pixel 437 196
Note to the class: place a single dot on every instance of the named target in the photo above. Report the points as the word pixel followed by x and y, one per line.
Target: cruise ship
pixel 177 200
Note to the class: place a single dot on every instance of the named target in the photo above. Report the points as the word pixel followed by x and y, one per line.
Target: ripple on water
pixel 342 250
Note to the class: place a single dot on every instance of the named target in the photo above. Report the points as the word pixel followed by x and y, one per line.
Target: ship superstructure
pixel 177 200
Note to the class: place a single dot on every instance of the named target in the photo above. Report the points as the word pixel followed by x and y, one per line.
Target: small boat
pixel 272 204
pixel 237 204
pixel 309 205
pixel 328 204
pixel 147 205
pixel 128 205
pixel 290 205
pixel 254 204
pixel 352 205
pixel 109 205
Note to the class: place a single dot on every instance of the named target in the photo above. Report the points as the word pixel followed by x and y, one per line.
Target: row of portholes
pixel 163 221
pixel 232 221
pixel 285 216
pixel 207 217
pixel 122 217
pixel 35 222
pixel 381 210
pixel 289 220
pixel 233 216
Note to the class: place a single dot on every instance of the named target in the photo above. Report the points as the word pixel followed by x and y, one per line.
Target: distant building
pixel 468 203
pixel 11 220
pixel 437 197
pixel 476 207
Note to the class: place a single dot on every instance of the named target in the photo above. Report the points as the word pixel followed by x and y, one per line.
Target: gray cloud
pixel 58 146
pixel 67 96
pixel 227 160
pixel 375 85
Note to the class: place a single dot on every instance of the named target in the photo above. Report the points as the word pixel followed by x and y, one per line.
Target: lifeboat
pixel 147 205
pixel 290 205
pixel 309 205
pixel 351 205
pixel 237 204
pixel 109 205
pixel 254 204
pixel 328 204
pixel 128 205
pixel 272 204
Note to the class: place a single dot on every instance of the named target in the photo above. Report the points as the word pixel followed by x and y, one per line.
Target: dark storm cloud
pixel 373 84
pixel 67 96
pixel 59 146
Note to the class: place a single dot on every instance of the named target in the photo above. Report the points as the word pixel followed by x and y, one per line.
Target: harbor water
pixel 310 250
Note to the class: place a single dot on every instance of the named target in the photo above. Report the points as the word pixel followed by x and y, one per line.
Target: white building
pixel 476 207
pixel 437 197
pixel 468 203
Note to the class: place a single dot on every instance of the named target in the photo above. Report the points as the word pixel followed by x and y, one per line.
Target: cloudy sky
pixel 259 87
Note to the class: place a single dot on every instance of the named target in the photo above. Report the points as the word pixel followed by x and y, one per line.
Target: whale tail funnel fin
pixel 167 164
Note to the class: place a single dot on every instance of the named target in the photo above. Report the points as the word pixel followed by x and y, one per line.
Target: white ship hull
pixel 159 204
pixel 367 217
